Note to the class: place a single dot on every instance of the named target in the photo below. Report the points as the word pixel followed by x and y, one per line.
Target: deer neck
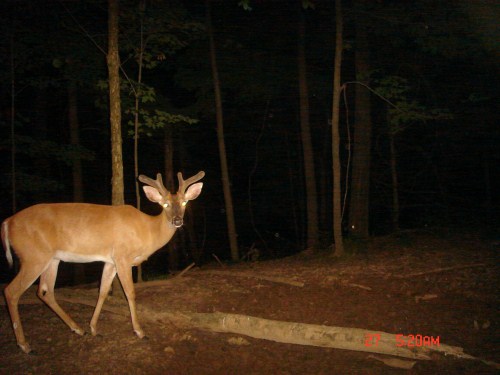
pixel 162 230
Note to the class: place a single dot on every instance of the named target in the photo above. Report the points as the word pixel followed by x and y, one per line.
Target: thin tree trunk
pixel 293 198
pixel 250 179
pixel 136 123
pixel 168 144
pixel 74 130
pixel 360 182
pixel 137 98
pixel 337 202
pixel 324 178
pixel 192 240
pixel 13 128
pixel 487 197
pixel 13 166
pixel 113 61
pixel 395 184
pixel 307 147
pixel 40 130
pixel 226 184
pixel 76 165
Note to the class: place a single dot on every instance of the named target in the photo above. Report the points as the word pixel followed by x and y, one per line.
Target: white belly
pixel 67 256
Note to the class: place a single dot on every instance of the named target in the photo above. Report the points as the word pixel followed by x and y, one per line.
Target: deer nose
pixel 177 221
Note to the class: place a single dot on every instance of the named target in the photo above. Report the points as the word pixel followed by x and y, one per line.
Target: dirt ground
pixel 415 284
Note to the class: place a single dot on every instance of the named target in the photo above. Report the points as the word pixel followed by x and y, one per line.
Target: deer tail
pixel 6 243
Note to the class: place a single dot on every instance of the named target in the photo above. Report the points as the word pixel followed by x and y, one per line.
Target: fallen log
pixel 295 333
pixel 310 334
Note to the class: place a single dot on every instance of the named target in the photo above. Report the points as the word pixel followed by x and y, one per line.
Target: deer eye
pixel 184 203
pixel 165 205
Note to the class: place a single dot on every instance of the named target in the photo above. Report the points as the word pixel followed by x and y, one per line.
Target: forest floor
pixel 444 287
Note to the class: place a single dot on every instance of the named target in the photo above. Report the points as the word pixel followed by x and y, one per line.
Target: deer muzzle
pixel 177 221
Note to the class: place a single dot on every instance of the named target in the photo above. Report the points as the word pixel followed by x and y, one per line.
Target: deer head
pixel 174 205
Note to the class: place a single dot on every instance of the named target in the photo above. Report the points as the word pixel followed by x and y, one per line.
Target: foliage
pixel 166 27
pixel 157 119
pixel 151 117
pixel 153 34
pixel 36 148
pixel 403 109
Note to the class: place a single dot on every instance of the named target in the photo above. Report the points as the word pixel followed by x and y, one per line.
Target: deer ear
pixel 152 194
pixel 193 191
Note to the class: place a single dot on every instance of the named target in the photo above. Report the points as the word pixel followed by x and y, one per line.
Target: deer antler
pixel 184 184
pixel 158 183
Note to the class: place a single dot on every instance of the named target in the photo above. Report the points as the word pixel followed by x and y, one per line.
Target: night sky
pixel 443 55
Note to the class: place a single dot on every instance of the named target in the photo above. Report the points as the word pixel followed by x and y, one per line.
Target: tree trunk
pixel 113 61
pixel 76 165
pixel 74 130
pixel 337 201
pixel 360 183
pixel 307 147
pixel 42 164
pixel 168 151
pixel 487 196
pixel 324 180
pixel 395 184
pixel 137 98
pixel 293 194
pixel 226 184
pixel 13 170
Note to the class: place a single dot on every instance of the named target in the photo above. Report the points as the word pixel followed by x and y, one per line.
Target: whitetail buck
pixel 120 236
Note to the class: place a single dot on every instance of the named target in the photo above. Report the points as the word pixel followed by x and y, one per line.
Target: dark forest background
pixel 430 69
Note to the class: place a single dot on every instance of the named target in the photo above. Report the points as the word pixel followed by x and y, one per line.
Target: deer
pixel 121 236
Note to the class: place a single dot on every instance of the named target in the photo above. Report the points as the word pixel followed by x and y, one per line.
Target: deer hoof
pixel 79 331
pixel 140 333
pixel 26 348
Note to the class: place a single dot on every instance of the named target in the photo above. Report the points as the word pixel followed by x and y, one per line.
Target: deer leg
pixel 125 274
pixel 27 275
pixel 108 274
pixel 46 294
